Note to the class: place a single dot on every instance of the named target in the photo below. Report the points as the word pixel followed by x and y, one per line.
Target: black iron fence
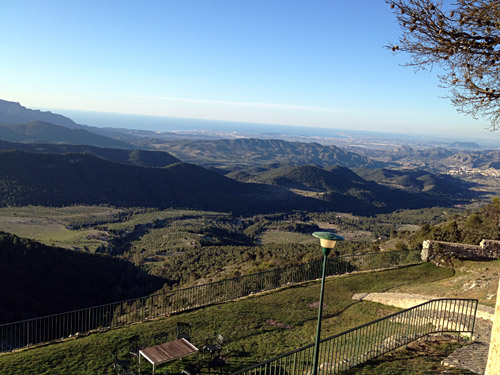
pixel 358 345
pixel 59 326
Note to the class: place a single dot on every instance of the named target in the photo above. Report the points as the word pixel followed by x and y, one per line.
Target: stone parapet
pixel 439 251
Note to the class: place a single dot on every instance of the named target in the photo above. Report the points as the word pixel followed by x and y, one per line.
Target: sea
pixel 188 125
pixel 175 124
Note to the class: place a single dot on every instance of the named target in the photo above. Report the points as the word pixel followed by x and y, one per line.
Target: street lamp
pixel 327 242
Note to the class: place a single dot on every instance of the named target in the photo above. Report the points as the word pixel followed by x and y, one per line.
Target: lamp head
pixel 327 240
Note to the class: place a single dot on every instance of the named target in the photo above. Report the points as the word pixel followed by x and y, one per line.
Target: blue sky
pixel 310 63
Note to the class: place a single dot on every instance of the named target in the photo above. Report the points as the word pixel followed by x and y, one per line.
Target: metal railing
pixel 59 326
pixel 358 345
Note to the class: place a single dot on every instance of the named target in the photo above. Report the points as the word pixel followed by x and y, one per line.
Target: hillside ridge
pixel 45 132
pixel 15 113
pixel 246 152
pixel 138 157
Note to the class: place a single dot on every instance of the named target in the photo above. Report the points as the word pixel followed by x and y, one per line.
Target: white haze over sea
pixel 170 124
pixel 186 125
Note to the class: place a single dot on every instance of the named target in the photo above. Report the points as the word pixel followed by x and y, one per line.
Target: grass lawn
pixel 249 325
pixel 472 279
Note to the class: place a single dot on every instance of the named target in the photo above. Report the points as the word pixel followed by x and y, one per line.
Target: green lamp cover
pixel 328 236
pixel 328 239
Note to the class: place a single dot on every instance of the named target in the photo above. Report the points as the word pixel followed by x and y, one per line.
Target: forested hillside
pixel 418 181
pixel 252 151
pixel 469 228
pixel 347 190
pixel 65 179
pixel 142 158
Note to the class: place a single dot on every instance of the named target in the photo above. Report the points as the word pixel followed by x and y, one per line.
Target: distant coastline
pixel 170 124
pixel 187 125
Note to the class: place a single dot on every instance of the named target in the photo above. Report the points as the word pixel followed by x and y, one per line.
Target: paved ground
pixel 472 357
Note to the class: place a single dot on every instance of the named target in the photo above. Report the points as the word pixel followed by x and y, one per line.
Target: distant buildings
pixel 463 171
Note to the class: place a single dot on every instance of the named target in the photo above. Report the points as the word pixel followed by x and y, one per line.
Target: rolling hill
pixel 65 179
pixel 246 152
pixel 418 181
pixel 44 132
pixel 340 187
pixel 135 157
pixel 436 160
pixel 477 159
pixel 338 179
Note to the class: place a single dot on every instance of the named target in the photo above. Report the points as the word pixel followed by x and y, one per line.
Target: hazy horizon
pixel 177 124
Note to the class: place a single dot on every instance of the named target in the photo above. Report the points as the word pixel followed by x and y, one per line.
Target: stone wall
pixel 440 251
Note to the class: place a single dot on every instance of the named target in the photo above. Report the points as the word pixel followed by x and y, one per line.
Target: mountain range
pixel 51 179
pixel 12 113
pixel 59 164
pixel 45 132
pixel 64 179
pixel 244 152
pixel 418 181
pixel 437 159
pixel 15 113
pixel 347 190
pixel 21 124
pixel 482 160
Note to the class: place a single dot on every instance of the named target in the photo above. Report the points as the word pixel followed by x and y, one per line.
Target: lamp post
pixel 327 242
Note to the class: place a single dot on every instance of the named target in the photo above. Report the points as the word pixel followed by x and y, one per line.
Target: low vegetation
pixel 184 247
pixel 249 337
pixel 468 227
pixel 419 181
pixel 418 358
pixel 126 156
pixel 134 178
pixel 250 152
